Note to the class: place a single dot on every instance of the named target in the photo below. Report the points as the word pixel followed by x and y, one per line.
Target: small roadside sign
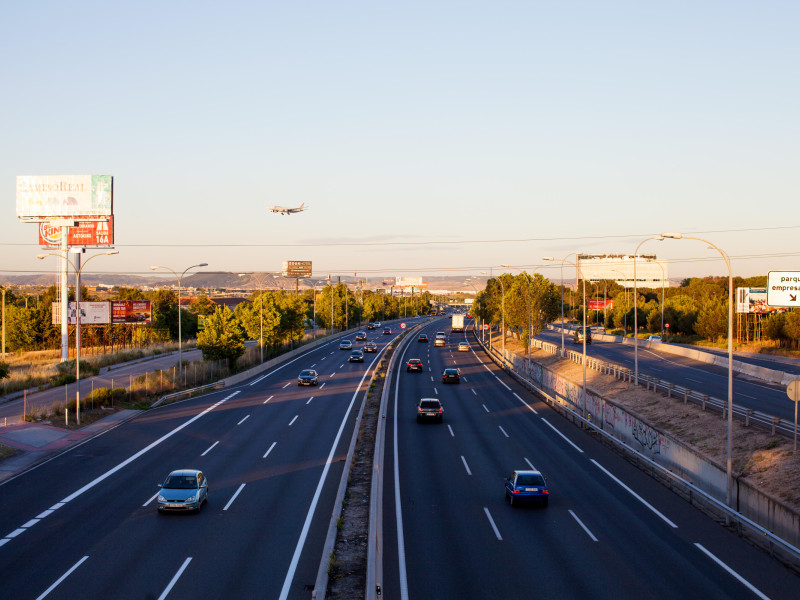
pixel 783 289
pixel 485 326
pixel 793 391
pixel 402 325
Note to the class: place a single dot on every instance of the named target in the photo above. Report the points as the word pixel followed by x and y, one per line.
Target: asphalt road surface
pixel 610 531
pixel 85 524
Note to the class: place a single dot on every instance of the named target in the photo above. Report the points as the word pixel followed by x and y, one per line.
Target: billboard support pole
pixel 64 295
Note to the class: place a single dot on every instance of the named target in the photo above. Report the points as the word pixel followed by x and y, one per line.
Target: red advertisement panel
pixel 600 304
pixel 87 233
pixel 131 311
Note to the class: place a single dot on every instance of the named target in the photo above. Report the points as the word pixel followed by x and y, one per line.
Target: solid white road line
pixel 466 466
pixel 503 430
pixel 293 420
pixel 502 383
pixel 152 498
pixel 562 435
pixel 586 529
pixel 451 431
pixel 530 464
pixel 259 379
pixel 243 420
pixel 525 403
pixel 209 448
pixel 484 408
pixel 635 495
pixel 175 578
pixel 268 399
pixel 236 493
pixel 738 577
pixel 270 450
pixel 62 578
pixel 491 522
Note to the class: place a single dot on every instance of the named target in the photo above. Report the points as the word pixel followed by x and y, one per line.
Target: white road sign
pixel 783 289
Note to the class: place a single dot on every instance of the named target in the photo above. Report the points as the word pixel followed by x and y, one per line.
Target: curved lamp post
pixel 180 278
pixel 726 258
pixel 77 270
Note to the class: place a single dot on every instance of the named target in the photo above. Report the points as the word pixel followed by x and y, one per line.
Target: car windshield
pixel 429 404
pixel 450 372
pixel 530 479
pixel 307 373
pixel 180 482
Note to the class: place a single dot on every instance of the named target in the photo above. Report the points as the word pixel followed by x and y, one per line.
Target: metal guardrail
pixel 747 415
pixel 686 489
pixel 189 393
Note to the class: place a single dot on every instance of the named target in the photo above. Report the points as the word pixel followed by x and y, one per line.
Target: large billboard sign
pixel 92 313
pixel 297 269
pixel 600 304
pixel 410 284
pixel 783 289
pixel 650 273
pixel 753 301
pixel 117 312
pixel 137 312
pixel 53 196
pixel 89 234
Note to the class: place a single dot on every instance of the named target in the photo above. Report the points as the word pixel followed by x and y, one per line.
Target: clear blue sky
pixel 411 122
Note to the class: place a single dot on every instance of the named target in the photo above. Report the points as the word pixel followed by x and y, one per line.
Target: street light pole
pixel 180 279
pixel 726 258
pixel 77 270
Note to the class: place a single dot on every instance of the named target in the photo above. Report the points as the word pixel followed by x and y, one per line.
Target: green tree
pixel 127 293
pixel 792 327
pixel 20 328
pixel 712 320
pixel 5 370
pixel 222 337
pixel 251 315
pixel 292 310
pixel 773 327
pixel 203 306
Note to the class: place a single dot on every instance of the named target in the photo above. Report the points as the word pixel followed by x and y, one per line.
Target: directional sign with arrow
pixel 783 288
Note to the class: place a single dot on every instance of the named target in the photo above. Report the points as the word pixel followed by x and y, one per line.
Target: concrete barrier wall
pixel 664 449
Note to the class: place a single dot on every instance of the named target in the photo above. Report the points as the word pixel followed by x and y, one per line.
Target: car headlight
pixel 161 498
pixel 190 499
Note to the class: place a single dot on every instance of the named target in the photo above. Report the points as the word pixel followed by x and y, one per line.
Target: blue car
pixel 184 489
pixel 527 486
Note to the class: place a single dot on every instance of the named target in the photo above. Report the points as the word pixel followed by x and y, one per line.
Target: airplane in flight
pixel 287 211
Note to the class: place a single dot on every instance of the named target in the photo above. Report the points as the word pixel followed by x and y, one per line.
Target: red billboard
pixel 600 304
pixel 131 311
pixel 87 233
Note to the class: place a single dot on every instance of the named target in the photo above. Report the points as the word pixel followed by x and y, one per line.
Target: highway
pixel 85 524
pixel 684 371
pixel 610 531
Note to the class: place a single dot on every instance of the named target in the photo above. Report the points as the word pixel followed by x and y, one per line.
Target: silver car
pixel 185 489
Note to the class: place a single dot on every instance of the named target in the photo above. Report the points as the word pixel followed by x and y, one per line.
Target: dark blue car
pixel 527 486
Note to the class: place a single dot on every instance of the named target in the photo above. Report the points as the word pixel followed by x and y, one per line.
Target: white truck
pixel 457 323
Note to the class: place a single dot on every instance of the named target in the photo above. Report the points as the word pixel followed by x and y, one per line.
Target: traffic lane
pixel 222 488
pixel 157 417
pixel 591 483
pixel 121 442
pixel 710 379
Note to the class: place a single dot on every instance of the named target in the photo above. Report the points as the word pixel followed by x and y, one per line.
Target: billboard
pixel 650 273
pixel 297 269
pixel 45 196
pixel 117 312
pixel 89 234
pixel 600 304
pixel 137 312
pixel 92 313
pixel 410 284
